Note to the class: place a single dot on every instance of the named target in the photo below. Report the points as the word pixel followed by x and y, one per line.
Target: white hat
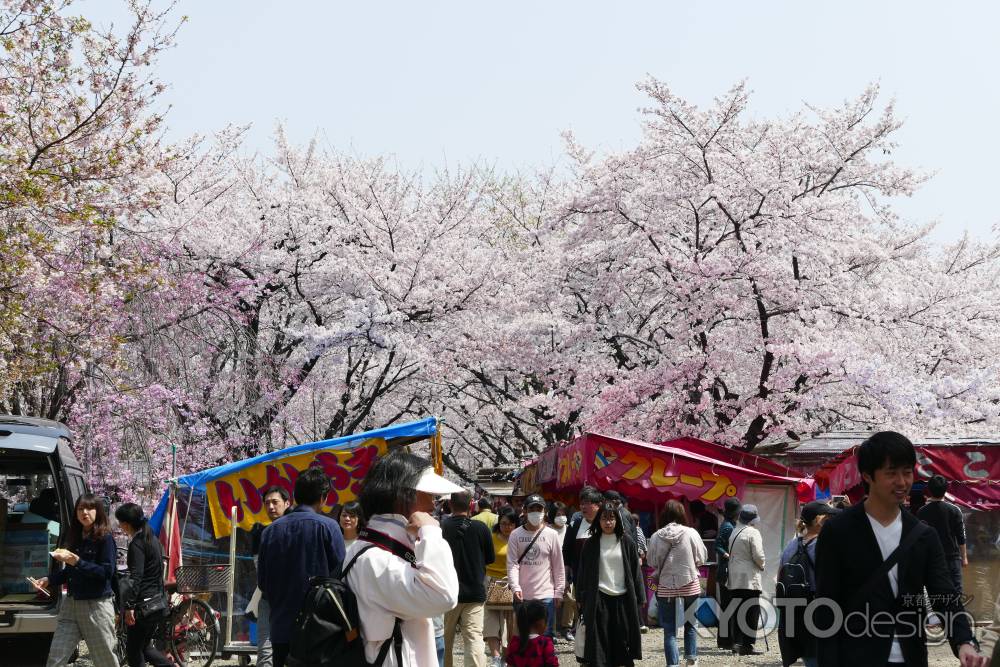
pixel 431 482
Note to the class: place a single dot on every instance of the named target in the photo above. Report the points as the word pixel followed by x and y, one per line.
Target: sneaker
pixel 643 629
pixel 570 637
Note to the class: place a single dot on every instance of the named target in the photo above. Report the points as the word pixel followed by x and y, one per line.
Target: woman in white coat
pixel 746 565
pixel 410 574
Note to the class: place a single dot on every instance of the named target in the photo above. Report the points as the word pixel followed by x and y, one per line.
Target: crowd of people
pixel 428 563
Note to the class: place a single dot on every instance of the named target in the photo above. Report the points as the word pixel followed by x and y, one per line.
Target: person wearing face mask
pixel 557 515
pixel 535 563
pixel 401 569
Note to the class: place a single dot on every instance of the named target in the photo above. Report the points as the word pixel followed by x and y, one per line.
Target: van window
pixel 29 524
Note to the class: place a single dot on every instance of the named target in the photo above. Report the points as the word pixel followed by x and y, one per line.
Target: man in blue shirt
pixel 300 545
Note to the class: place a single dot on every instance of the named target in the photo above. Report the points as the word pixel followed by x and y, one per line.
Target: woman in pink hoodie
pixel 676 551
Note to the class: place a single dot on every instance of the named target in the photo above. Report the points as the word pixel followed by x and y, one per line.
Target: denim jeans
pixel 550 615
pixel 667 611
pixel 265 657
pixel 439 644
pixel 810 662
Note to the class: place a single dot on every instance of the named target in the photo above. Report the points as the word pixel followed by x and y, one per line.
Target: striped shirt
pixel 693 588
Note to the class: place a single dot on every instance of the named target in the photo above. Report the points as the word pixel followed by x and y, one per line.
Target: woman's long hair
pixel 101 526
pixel 132 514
pixel 529 613
pixel 608 508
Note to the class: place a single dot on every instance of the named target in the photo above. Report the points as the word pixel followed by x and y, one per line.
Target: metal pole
pixel 231 588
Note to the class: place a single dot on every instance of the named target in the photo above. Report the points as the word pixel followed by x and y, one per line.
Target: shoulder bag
pixel 883 569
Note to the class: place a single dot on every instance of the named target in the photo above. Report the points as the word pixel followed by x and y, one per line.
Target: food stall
pixel 204 518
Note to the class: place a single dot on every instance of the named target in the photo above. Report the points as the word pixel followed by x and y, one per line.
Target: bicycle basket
pixel 202 578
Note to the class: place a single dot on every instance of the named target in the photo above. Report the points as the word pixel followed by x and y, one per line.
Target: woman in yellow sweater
pixel 495 619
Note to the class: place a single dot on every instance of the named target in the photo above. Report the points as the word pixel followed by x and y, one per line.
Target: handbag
pixel 253 605
pixel 499 592
pixel 580 640
pixel 705 612
pixel 151 606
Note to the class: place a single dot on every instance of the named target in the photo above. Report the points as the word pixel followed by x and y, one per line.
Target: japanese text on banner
pixel 245 488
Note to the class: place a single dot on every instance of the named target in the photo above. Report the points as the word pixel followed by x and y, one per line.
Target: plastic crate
pixel 202 578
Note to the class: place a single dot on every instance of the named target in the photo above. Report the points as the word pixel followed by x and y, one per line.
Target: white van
pixel 40 480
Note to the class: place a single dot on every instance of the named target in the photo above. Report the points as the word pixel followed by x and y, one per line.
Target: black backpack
pixel 793 577
pixel 327 630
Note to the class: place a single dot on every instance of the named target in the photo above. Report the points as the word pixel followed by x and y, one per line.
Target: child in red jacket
pixel 531 648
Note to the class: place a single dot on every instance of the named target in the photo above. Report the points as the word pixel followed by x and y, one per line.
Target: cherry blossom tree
pixel 78 140
pixel 738 279
pixel 747 279
pixel 326 281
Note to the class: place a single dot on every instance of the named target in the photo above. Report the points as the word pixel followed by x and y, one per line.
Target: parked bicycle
pixel 190 633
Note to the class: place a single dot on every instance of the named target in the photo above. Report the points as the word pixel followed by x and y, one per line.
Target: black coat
pixel 847 554
pixel 145 571
pixel 569 549
pixel 587 592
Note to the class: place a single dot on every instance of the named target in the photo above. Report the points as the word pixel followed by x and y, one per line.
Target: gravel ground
pixel 652 649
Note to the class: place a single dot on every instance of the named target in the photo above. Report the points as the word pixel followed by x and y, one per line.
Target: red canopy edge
pixel 652 473
pixel 972 471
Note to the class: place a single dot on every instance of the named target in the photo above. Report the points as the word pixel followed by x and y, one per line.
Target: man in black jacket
pixel 883 609
pixel 472 547
pixel 949 523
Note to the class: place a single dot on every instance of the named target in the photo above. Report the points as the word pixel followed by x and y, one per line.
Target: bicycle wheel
pixel 121 638
pixel 193 633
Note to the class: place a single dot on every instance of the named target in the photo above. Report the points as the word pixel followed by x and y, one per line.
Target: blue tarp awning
pixel 410 432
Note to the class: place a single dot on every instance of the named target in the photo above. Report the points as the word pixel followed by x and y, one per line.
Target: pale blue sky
pixel 449 82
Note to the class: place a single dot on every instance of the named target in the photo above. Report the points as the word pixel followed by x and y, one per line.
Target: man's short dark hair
pixel 937 486
pixel 311 486
pixel 885 447
pixel 589 494
pixel 280 490
pixel 460 501
pixel 484 504
pixel 389 486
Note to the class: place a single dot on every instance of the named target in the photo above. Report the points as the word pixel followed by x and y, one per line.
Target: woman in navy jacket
pixel 87 612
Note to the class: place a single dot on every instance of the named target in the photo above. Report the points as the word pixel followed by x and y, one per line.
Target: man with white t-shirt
pixel 879 590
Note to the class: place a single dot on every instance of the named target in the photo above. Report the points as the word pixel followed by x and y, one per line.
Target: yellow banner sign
pixel 244 489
